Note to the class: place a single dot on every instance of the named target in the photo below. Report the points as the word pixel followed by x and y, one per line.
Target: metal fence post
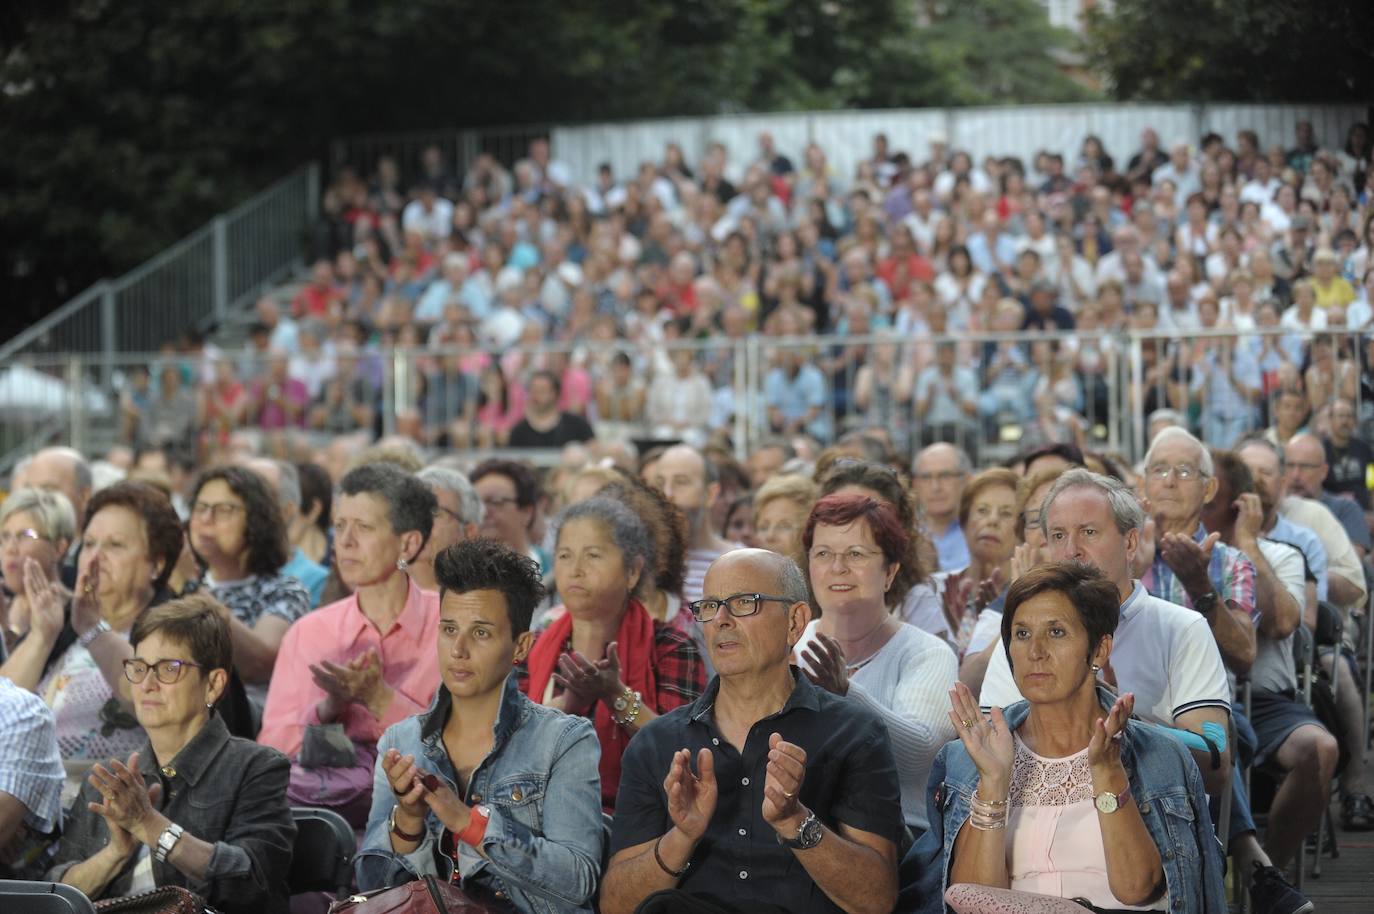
pixel 312 193
pixel 76 425
pixel 108 336
pixel 219 268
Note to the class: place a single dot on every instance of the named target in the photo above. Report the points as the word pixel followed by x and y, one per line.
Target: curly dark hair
pixel 883 481
pixel 160 522
pixel 667 525
pixel 484 564
pixel 264 529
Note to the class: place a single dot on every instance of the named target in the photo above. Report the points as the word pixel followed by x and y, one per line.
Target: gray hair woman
pixel 606 657
pixel 365 661
pixel 35 525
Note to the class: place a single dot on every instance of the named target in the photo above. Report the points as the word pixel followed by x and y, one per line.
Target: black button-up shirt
pixel 851 779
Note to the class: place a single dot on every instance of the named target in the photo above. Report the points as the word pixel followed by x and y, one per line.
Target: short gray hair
pixel 470 507
pixel 289 484
pixel 627 529
pixel 52 511
pixel 791 581
pixel 1204 460
pixel 1126 509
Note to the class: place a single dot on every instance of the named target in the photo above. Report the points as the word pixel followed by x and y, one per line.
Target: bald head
pixel 774 573
pixel 65 470
pixel 1305 458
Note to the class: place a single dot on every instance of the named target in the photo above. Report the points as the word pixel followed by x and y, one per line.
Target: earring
pixel 1096 668
pixel 209 706
pixel 402 564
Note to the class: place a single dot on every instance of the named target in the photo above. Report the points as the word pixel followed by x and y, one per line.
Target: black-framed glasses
pixel 738 605
pixel 168 672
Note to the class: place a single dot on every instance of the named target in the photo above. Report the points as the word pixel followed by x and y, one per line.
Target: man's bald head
pixel 760 642
pixel 776 574
pixel 1305 458
pixel 65 470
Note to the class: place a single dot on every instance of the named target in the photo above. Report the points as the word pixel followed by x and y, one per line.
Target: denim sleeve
pixel 564 863
pixel 1210 856
pixel 250 864
pixel 376 865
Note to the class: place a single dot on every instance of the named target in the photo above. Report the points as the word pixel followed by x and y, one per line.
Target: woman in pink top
pixel 500 405
pixel 366 661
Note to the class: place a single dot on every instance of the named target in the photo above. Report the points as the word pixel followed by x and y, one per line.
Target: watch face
pixel 621 703
pixel 1105 802
pixel 810 833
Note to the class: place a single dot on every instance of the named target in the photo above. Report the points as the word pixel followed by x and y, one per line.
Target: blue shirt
pixel 545 835
pixel 1305 541
pixel 30 765
pixel 312 574
pixel 794 397
pixel 952 547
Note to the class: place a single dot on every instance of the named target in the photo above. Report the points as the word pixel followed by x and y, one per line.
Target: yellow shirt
pixel 1337 292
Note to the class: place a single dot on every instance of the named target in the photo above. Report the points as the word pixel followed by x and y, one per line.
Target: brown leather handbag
pixel 167 899
pixel 428 895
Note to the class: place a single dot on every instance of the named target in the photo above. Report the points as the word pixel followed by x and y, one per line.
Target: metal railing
pixel 458 149
pixel 206 275
pixel 1095 388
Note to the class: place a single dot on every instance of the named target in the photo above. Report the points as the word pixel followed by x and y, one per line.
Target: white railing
pixel 205 276
pixel 65 399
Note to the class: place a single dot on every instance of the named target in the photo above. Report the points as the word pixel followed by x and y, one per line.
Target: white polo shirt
pixel 1163 652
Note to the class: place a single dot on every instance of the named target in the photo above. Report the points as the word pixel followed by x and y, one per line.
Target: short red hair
pixel 843 510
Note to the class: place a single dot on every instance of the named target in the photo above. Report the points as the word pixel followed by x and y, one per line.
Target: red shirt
pixel 917 269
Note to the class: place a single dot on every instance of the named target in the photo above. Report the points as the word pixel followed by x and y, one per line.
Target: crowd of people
pixel 531 311
pixel 848 666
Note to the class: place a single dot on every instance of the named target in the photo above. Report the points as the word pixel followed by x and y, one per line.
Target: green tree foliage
pixel 1235 50
pixel 128 123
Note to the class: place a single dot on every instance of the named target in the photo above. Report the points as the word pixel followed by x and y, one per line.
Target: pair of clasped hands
pixel 418 792
pixel 692 796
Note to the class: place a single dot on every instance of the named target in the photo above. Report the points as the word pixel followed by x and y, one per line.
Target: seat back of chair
pixel 43 898
pixel 322 857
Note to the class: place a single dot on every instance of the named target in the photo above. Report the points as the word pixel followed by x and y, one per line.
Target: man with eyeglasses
pixel 767 793
pixel 1307 474
pixel 1192 567
pixel 940 472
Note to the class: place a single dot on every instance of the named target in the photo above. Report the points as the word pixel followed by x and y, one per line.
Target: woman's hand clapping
pixel 987 740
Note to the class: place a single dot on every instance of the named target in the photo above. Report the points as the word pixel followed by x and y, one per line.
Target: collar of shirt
pixel 1133 602
pixel 191 763
pixel 411 621
pixel 803 696
pixel 507 715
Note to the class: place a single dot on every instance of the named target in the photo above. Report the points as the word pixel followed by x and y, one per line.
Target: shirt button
pixel 1145 807
pixel 744 874
pixel 742 833
pixel 745 782
pixel 714 741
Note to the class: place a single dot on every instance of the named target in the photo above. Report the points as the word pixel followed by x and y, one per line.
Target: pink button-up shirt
pixel 338 633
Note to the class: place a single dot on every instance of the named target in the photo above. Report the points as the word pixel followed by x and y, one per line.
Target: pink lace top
pixel 1054 841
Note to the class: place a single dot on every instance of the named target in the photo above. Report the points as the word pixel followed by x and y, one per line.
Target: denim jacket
pixel 1167 788
pixel 545 838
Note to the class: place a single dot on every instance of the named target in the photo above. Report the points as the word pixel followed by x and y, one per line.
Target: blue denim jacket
pixel 1167 787
pixel 545 838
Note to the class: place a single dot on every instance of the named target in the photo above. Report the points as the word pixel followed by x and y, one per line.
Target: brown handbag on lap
pixel 168 899
pixel 427 895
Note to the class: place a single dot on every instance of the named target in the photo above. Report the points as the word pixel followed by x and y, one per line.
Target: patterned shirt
pixel 250 598
pixel 1231 573
pixel 30 766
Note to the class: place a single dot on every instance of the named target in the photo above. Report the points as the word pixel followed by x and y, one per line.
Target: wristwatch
pixel 626 707
pixel 95 631
pixel 809 834
pixel 1108 802
pixel 1206 604
pixel 166 841
pixel 395 829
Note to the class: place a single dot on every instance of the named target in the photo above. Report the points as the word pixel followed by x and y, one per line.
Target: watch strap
pixel 95 631
pixel 404 836
pixel 797 843
pixel 166 841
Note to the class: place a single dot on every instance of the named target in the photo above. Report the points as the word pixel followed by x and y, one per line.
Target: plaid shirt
pixel 30 765
pixel 678 671
pixel 1232 574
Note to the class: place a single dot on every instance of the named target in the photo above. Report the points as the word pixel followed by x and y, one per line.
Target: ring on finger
pixel 789 795
pixel 968 724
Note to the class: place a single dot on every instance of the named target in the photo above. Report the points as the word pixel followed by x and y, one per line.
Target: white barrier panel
pixel 847 136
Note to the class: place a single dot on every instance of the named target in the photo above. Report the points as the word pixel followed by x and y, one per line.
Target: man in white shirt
pixel 1181 171
pixel 429 214
pixel 690 481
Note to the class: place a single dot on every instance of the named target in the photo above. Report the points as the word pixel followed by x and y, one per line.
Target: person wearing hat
pixel 1043 311
pixel 1329 285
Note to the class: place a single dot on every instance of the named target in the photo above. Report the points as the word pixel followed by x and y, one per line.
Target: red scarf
pixel 635 645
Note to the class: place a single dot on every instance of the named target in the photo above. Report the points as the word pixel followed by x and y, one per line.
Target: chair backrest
pixel 43 898
pixel 322 857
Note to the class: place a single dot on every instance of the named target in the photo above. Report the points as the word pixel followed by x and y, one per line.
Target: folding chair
pixel 23 897
pixel 322 857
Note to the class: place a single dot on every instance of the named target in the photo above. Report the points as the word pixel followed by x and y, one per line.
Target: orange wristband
pixel 478 816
